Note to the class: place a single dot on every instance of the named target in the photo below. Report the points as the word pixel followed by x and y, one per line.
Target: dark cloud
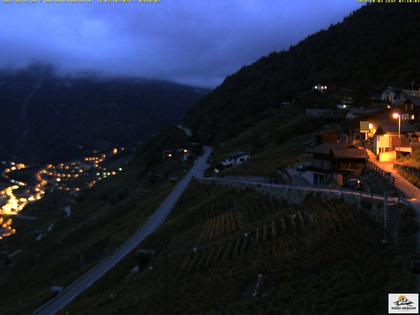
pixel 188 41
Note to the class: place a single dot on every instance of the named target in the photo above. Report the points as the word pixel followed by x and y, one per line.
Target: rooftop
pixel 340 151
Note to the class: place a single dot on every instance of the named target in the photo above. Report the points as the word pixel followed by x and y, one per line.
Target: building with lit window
pixel 388 144
pixel 334 163
pixel 406 102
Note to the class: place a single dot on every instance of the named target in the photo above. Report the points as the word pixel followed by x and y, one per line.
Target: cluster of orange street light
pixel 15 204
pixel 54 175
pixel 6 228
pixel 14 167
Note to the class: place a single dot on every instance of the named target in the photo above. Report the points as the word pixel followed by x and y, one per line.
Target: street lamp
pixel 398 116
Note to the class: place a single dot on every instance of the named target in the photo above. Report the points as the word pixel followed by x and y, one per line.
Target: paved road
pixel 411 192
pixel 153 223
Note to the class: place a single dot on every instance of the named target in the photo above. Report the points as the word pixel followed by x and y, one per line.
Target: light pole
pixel 398 116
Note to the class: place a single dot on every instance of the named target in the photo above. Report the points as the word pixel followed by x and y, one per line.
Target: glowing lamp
pixel 397 116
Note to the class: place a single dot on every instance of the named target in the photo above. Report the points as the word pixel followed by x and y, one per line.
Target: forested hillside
pixel 374 47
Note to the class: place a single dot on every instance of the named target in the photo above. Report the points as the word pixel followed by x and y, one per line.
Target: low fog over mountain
pixel 46 115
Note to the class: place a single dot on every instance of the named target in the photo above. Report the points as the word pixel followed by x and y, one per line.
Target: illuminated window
pixel 412 117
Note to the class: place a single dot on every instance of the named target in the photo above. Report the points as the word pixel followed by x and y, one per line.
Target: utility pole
pixel 165 249
pixel 387 219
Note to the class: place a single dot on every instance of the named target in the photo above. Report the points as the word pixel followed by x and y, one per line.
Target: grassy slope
pixel 323 257
pixel 412 160
pixel 274 157
pixel 409 168
pixel 275 142
pixel 102 219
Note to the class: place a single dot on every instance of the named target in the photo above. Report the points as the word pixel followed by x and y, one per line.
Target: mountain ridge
pixel 50 117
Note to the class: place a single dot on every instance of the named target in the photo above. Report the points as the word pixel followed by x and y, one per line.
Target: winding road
pixel 153 223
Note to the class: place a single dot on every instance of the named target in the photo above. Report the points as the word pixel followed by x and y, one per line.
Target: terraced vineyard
pixel 235 230
pixel 220 240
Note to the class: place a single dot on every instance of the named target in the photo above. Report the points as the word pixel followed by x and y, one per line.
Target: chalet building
pixel 364 128
pixel 236 159
pixel 388 145
pixel 397 96
pixel 384 145
pixel 408 111
pixel 393 95
pixel 334 163
pixel 406 102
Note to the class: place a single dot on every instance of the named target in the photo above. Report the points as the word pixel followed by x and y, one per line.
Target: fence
pixel 384 175
pixel 339 192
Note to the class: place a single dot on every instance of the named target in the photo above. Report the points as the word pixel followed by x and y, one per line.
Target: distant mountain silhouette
pixel 46 116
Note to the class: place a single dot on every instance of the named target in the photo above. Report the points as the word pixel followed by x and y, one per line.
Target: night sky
pixel 195 42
